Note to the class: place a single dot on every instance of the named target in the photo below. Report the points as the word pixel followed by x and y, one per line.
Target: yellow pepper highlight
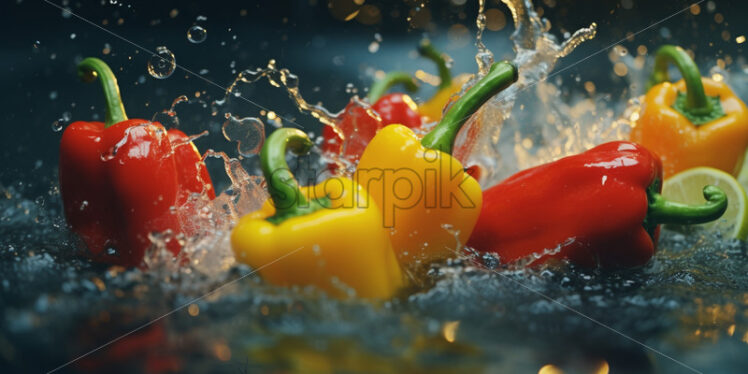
pixel 425 196
pixel 671 125
pixel 339 247
pixel 427 199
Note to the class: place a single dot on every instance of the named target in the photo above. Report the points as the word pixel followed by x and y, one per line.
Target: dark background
pixel 309 37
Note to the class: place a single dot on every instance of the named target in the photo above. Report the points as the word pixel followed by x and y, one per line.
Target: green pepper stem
pixel 662 211
pixel 283 187
pixel 696 99
pixel 426 49
pixel 88 70
pixel 442 137
pixel 380 87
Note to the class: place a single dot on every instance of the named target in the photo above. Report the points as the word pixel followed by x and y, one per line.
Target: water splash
pixel 484 57
pixel 278 78
pixel 248 133
pixel 283 78
pixel 168 117
pixel 492 134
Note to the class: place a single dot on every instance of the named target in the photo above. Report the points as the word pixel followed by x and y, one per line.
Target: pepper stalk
pixel 380 87
pixel 663 211
pixel 442 137
pixel 288 199
pixel 695 104
pixel 91 68
pixel 426 49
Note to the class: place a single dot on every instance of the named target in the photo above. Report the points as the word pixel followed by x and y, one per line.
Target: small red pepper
pixel 120 179
pixel 601 207
pixel 359 127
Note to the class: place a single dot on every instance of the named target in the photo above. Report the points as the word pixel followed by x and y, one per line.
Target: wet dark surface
pixel 687 310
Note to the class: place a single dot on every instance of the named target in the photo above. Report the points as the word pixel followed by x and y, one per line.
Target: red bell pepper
pixel 601 207
pixel 122 179
pixel 359 127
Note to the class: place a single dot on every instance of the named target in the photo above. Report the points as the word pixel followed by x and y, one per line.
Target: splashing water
pixel 248 133
pixel 485 141
pixel 290 82
pixel 279 78
pixel 168 117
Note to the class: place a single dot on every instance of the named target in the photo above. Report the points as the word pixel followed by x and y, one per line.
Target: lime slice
pixel 743 175
pixel 687 187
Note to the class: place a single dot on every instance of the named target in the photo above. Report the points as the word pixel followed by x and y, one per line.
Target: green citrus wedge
pixel 687 186
pixel 743 175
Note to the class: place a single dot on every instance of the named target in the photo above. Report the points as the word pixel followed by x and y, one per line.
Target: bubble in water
pixel 60 123
pixel 162 64
pixel 197 34
pixel 57 125
pixel 248 133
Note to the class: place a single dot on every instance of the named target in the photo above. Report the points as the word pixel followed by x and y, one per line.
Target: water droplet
pixel 84 204
pixel 197 34
pixel 248 133
pixel 57 125
pixel 374 47
pixel 60 123
pixel 665 33
pixel 161 65
pixel 72 36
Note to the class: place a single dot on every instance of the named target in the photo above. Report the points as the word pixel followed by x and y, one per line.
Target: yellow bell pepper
pixel 448 86
pixel 706 126
pixel 426 198
pixel 324 235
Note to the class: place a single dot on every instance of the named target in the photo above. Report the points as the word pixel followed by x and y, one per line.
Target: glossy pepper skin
pixel 324 235
pixel 357 125
pixel 433 109
pixel 601 207
pixel 120 179
pixel 427 199
pixel 705 126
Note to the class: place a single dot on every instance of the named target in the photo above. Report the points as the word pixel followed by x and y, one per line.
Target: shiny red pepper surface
pixel 601 207
pixel 359 127
pixel 121 182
